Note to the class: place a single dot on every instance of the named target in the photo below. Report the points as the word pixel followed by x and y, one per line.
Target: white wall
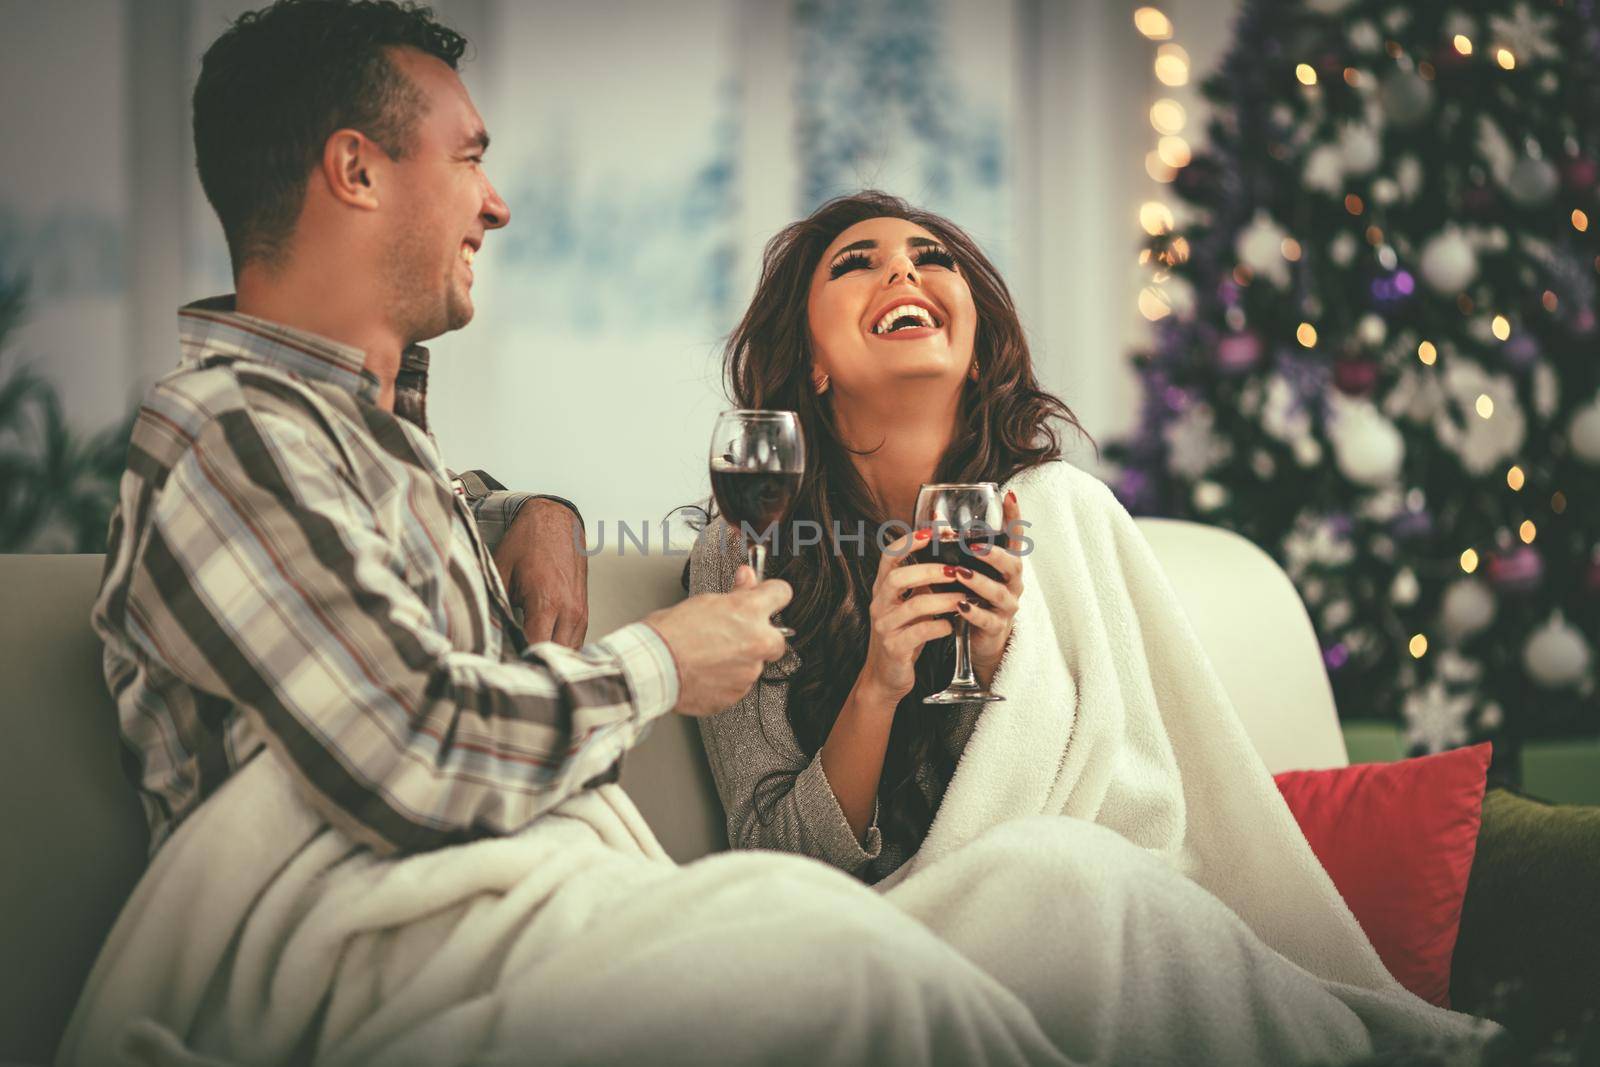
pixel 648 151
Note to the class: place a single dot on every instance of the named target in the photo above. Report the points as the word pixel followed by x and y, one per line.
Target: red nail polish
pixel 980 549
pixel 949 572
pixel 924 534
pixel 964 572
pixel 1011 498
pixel 964 606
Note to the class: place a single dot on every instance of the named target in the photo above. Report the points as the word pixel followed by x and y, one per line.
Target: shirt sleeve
pixel 773 794
pixel 265 579
pixel 495 507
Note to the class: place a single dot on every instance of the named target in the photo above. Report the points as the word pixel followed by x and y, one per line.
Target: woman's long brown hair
pixel 1004 426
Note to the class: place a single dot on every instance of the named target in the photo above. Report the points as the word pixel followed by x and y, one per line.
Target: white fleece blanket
pixel 260 935
pixel 1114 716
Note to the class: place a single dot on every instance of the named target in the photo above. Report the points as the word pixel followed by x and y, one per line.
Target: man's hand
pixel 545 573
pixel 721 640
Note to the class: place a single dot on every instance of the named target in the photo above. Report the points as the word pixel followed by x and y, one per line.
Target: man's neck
pixel 349 318
pixel 908 437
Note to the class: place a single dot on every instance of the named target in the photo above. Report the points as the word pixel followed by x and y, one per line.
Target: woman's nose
pixel 901 269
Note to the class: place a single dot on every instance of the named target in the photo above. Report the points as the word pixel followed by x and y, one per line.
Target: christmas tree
pixel 1375 352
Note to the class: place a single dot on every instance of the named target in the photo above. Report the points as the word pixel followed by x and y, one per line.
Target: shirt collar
pixel 213 327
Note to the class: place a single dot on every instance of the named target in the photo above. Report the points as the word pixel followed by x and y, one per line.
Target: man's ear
pixel 351 167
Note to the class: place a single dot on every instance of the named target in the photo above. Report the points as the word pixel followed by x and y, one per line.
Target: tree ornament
pixel 1371 330
pixel 1367 448
pixel 1584 432
pixel 1556 656
pixel 1259 246
pixel 1342 249
pixel 1405 97
pixel 1517 571
pixel 1448 262
pixel 1360 151
pixel 1238 352
pixel 1579 175
pixel 1466 609
pixel 1324 170
pixel 1532 181
pixel 1209 496
pixel 1405 589
pixel 1436 719
pixel 1355 377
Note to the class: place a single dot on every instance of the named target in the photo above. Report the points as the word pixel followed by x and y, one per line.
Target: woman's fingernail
pixel 964 572
pixel 964 606
pixel 980 549
pixel 924 533
pixel 949 572
pixel 1011 498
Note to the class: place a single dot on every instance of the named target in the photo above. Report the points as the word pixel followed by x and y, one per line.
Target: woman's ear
pixel 972 372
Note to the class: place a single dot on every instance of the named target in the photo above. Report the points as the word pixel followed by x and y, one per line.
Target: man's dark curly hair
pixel 276 85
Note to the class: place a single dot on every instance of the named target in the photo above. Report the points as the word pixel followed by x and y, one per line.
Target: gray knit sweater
pixel 751 740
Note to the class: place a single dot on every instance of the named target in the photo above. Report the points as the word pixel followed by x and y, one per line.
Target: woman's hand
pixel 996 607
pixel 903 623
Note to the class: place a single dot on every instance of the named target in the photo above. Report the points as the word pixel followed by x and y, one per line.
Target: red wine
pixel 951 552
pixel 754 498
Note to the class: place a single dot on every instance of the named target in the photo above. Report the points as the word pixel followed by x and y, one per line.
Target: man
pixel 344 742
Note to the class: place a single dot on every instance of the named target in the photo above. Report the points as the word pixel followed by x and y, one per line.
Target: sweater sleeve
pixel 754 753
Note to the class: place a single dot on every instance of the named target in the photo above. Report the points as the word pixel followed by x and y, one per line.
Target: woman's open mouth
pixel 906 322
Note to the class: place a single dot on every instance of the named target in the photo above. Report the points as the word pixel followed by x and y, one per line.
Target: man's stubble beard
pixel 421 303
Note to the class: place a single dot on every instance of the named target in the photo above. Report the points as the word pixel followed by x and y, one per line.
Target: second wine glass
pixel 757 461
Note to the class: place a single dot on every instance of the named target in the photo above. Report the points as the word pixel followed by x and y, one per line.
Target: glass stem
pixel 964 678
pixel 758 557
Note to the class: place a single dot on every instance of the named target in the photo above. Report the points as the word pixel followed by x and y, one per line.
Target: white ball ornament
pixel 1556 656
pixel 1259 246
pixel 1367 447
pixel 1466 609
pixel 1371 330
pixel 1584 432
pixel 1405 588
pixel 1359 149
pixel 1324 170
pixel 1532 181
pixel 1406 98
pixel 1209 496
pixel 1448 262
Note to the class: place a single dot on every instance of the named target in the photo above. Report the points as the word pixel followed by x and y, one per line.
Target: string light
pixel 1558 503
pixel 1290 249
pixel 1153 304
pixel 1463 44
pixel 1152 23
pixel 1504 57
pixel 1501 326
pixel 1469 560
pixel 1172 65
pixel 1167 115
pixel 1178 251
pixel 1549 300
pixel 1485 406
pixel 1306 74
pixel 1353 204
pixel 1527 531
pixel 1306 335
pixel 1174 151
pixel 1580 221
pixel 1427 353
pixel 1374 235
pixel 1419 646
pixel 1155 217
pixel 1158 169
pixel 1352 77
pixel 1515 478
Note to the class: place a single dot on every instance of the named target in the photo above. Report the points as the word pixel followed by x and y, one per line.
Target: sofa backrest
pixel 74 841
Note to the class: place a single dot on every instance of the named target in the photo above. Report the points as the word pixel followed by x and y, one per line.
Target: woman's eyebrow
pixel 855 247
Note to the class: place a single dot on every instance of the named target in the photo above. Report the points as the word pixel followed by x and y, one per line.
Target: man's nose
pixel 496 212
pixel 900 268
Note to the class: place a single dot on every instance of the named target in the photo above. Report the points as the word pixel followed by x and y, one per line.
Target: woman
pixel 1112 850
pixel 883 411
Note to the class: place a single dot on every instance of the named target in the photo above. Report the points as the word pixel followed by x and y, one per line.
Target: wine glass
pixel 960 516
pixel 757 460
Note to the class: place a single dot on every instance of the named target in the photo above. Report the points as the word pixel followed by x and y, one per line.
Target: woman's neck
pixel 904 442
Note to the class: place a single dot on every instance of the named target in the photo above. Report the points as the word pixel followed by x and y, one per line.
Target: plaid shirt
pixel 289 568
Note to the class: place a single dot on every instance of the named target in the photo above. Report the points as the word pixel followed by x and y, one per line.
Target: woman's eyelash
pixel 845 264
pixel 924 256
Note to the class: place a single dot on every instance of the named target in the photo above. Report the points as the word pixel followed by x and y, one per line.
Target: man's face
pixel 440 205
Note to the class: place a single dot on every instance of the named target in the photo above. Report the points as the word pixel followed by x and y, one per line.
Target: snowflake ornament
pixel 1436 719
pixel 1193 447
pixel 1316 540
pixel 1526 34
pixel 1481 443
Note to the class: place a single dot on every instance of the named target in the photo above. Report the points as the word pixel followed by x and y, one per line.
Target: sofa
pixel 74 841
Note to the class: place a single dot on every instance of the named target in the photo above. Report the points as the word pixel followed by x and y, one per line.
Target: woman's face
pixel 887 304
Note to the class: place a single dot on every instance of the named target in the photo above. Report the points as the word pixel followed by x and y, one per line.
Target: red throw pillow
pixel 1398 840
